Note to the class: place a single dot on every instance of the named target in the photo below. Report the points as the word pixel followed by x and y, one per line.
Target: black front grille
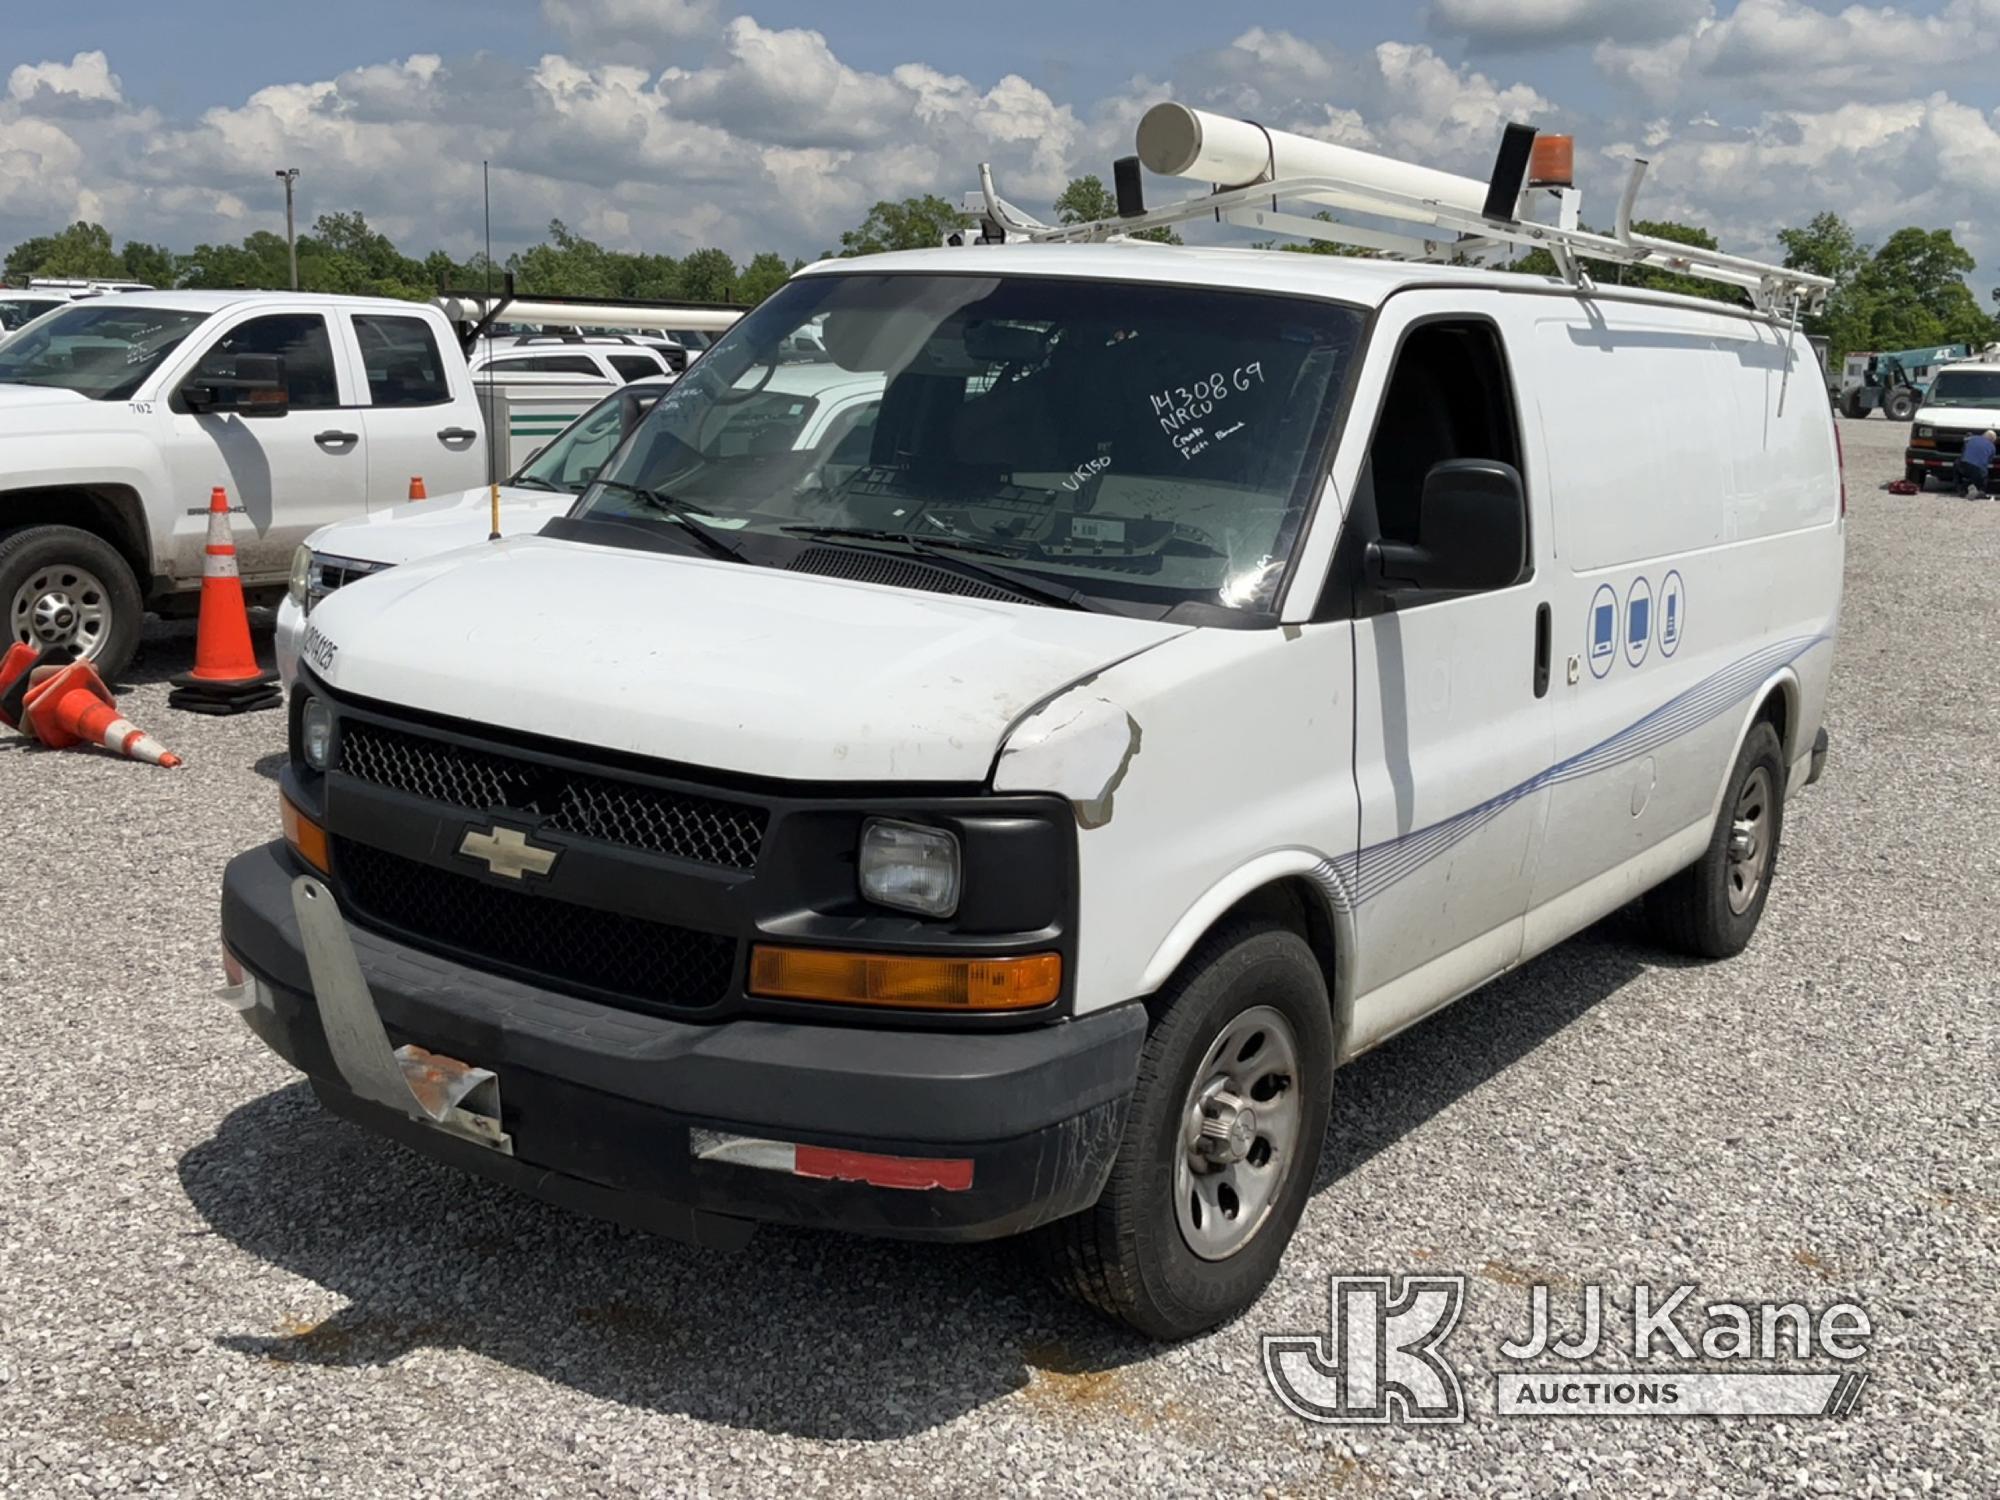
pixel 555 942
pixel 703 829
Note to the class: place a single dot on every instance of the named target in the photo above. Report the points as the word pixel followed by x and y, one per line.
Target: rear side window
pixel 560 364
pixel 402 359
pixel 299 339
pixel 635 366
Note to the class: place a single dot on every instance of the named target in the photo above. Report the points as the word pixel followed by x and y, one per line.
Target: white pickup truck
pixel 118 415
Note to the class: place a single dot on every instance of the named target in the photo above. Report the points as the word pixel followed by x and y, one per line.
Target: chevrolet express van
pixel 1220 661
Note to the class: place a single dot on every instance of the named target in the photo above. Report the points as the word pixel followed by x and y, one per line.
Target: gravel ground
pixel 209 1286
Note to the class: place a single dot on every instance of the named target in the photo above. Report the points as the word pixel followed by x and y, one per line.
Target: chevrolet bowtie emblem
pixel 507 851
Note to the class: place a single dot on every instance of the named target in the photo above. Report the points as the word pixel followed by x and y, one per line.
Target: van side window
pixel 1448 398
pixel 402 361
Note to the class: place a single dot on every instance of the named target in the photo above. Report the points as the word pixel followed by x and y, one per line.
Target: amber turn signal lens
pixel 307 838
pixel 908 981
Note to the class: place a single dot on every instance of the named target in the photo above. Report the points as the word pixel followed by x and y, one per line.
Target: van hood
pixel 1958 418
pixel 747 670
pixel 423 528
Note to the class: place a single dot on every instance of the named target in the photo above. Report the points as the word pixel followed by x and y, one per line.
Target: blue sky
pixel 666 124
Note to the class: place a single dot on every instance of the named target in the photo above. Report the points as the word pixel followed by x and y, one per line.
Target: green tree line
pixel 1907 292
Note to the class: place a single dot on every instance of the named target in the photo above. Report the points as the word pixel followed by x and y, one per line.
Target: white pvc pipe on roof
pixel 1178 141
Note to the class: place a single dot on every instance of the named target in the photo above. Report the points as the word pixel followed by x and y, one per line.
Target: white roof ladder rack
pixel 1262 176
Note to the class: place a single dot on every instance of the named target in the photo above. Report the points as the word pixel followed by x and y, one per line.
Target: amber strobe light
pixel 961 984
pixel 307 838
pixel 1552 162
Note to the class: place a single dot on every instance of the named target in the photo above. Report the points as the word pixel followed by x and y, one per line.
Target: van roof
pixel 1367 283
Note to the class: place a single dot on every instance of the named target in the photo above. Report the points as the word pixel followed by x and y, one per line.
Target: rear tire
pixel 1851 406
pixel 61 586
pixel 1711 909
pixel 1255 991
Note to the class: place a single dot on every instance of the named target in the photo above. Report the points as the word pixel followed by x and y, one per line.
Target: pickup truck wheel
pixel 1221 1141
pixel 1711 909
pixel 65 587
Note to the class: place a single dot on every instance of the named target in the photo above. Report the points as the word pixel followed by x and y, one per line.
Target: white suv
pixel 618 360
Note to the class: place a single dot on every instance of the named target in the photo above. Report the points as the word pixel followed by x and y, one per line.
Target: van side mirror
pixel 257 389
pixel 1472 531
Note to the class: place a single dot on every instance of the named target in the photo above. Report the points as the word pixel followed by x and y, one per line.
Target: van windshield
pixel 1124 441
pixel 104 350
pixel 1965 388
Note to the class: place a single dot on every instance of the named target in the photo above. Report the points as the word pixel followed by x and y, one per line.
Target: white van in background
pixel 1206 664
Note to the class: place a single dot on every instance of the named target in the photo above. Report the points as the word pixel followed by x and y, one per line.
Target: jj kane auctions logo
pixel 1379 1359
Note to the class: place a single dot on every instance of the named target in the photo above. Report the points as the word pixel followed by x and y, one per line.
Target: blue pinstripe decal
pixel 1352 882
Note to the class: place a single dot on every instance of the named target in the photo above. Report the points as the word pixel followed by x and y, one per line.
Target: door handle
pixel 334 439
pixel 457 435
pixel 1544 634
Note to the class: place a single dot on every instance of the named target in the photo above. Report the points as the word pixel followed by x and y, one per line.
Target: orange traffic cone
pixel 417 491
pixel 226 678
pixel 16 669
pixel 72 706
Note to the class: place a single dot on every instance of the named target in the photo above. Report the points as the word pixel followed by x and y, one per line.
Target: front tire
pixel 1221 1141
pixel 1900 407
pixel 1711 909
pixel 64 587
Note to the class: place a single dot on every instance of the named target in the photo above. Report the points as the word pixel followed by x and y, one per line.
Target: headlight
pixel 316 733
pixel 1926 432
pixel 910 867
pixel 301 579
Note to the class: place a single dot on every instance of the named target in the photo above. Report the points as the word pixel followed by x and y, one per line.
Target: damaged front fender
pixel 1079 745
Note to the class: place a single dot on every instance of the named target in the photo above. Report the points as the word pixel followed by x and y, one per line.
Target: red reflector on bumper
pixel 946 1174
pixel 952 1175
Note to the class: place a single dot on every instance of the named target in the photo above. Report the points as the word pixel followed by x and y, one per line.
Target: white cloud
pixel 87 77
pixel 1881 166
pixel 1520 25
pixel 1797 53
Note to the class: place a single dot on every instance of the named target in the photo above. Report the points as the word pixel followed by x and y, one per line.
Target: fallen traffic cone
pixel 226 678
pixel 417 491
pixel 71 706
pixel 17 669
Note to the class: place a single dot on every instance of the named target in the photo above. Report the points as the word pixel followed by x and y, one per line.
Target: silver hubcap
pixel 1239 1135
pixel 62 605
pixel 1750 841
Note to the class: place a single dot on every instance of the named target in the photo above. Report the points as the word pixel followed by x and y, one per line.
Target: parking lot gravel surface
pixel 209 1286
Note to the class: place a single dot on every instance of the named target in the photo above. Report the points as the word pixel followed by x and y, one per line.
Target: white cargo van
pixel 1218 661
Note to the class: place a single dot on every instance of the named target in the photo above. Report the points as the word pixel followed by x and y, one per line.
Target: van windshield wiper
pixel 949 551
pixel 689 517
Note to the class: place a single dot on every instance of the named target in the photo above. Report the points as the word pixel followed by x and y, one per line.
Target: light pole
pixel 291 176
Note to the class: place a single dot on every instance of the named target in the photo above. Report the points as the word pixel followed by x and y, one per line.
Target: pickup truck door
pixel 286 476
pixel 421 418
pixel 1454 729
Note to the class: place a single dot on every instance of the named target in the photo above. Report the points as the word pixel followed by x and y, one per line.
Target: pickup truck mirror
pixel 1472 531
pixel 257 389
